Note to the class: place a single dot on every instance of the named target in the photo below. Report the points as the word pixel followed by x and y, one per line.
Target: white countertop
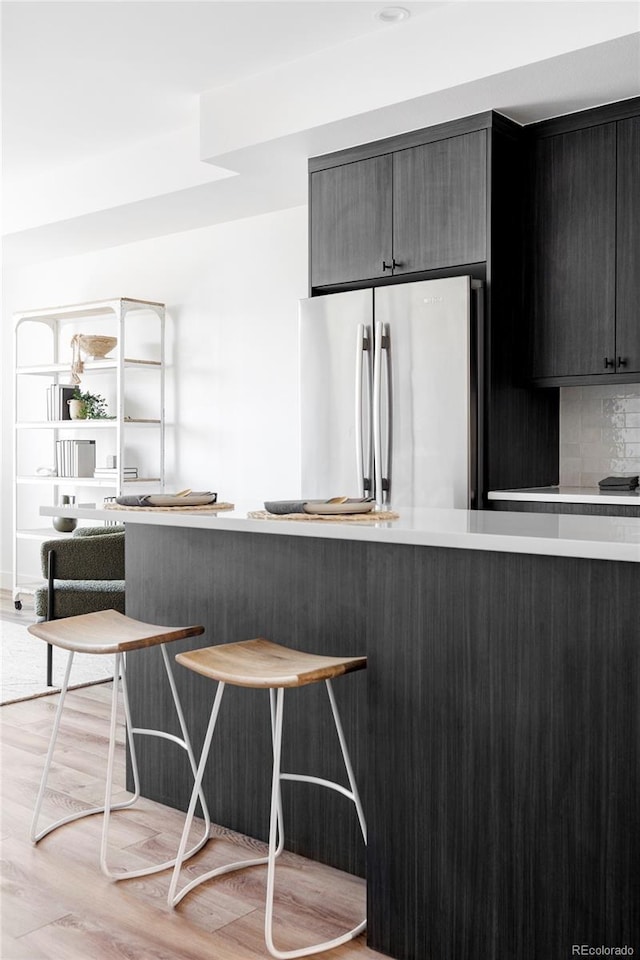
pixel 599 538
pixel 569 495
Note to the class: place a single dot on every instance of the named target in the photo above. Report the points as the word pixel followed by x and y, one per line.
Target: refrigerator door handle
pixel 361 347
pixel 377 397
pixel 386 476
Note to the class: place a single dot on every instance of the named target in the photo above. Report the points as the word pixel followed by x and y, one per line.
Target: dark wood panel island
pixel 496 731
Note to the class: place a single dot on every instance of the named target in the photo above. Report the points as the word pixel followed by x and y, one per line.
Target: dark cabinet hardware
pixel 609 363
pixel 395 263
pixel 388 266
pixel 622 362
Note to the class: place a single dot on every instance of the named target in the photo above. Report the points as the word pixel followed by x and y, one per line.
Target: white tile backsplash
pixel 599 433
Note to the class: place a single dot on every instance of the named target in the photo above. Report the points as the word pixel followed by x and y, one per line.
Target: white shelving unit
pixel 134 376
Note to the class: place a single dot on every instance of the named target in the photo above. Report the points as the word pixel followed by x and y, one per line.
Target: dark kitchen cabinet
pixel 628 247
pixel 573 262
pixel 440 204
pixel 352 221
pixel 583 268
pixel 409 210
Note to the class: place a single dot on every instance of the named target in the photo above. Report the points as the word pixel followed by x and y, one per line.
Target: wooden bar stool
pixel 110 632
pixel 260 663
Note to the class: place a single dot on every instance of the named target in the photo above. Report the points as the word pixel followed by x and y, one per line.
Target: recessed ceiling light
pixel 393 14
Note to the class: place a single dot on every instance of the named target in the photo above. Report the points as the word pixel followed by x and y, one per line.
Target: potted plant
pixel 88 406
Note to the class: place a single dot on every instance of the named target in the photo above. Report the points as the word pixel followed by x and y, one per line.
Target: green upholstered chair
pixel 84 574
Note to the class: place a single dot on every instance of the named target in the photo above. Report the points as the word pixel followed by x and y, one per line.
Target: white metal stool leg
pixel 183 742
pixel 35 836
pixel 174 898
pixel 347 760
pixel 352 794
pixel 108 807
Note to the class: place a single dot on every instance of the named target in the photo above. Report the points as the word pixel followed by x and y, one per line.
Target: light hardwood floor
pixel 57 905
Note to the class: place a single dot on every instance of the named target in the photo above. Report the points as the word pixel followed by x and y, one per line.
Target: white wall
pixel 232 393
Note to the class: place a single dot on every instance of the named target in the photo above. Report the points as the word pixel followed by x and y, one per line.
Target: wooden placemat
pixel 372 517
pixel 203 508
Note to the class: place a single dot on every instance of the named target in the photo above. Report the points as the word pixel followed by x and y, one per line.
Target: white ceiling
pixel 84 78
pixel 105 130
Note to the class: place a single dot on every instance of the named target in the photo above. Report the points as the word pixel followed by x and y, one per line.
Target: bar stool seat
pixel 102 633
pixel 260 663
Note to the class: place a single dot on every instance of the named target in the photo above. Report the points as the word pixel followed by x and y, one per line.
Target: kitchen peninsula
pixel 495 731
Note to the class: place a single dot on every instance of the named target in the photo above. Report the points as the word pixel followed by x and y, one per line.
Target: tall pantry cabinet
pixel 445 201
pixel 131 380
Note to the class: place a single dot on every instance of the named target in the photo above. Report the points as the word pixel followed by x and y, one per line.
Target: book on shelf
pixel 57 396
pixel 75 458
pixel 129 473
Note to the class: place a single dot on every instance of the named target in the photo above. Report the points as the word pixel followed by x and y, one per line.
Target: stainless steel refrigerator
pixel 390 393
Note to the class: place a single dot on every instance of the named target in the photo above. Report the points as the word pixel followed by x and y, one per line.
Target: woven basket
pixel 95 346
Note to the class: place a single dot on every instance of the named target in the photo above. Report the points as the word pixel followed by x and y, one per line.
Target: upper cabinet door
pixel 628 273
pixel 440 203
pixel 572 282
pixel 351 222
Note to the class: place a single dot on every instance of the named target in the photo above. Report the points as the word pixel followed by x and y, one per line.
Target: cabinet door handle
pixel 395 263
pixel 386 266
pixel 609 363
pixel 622 361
